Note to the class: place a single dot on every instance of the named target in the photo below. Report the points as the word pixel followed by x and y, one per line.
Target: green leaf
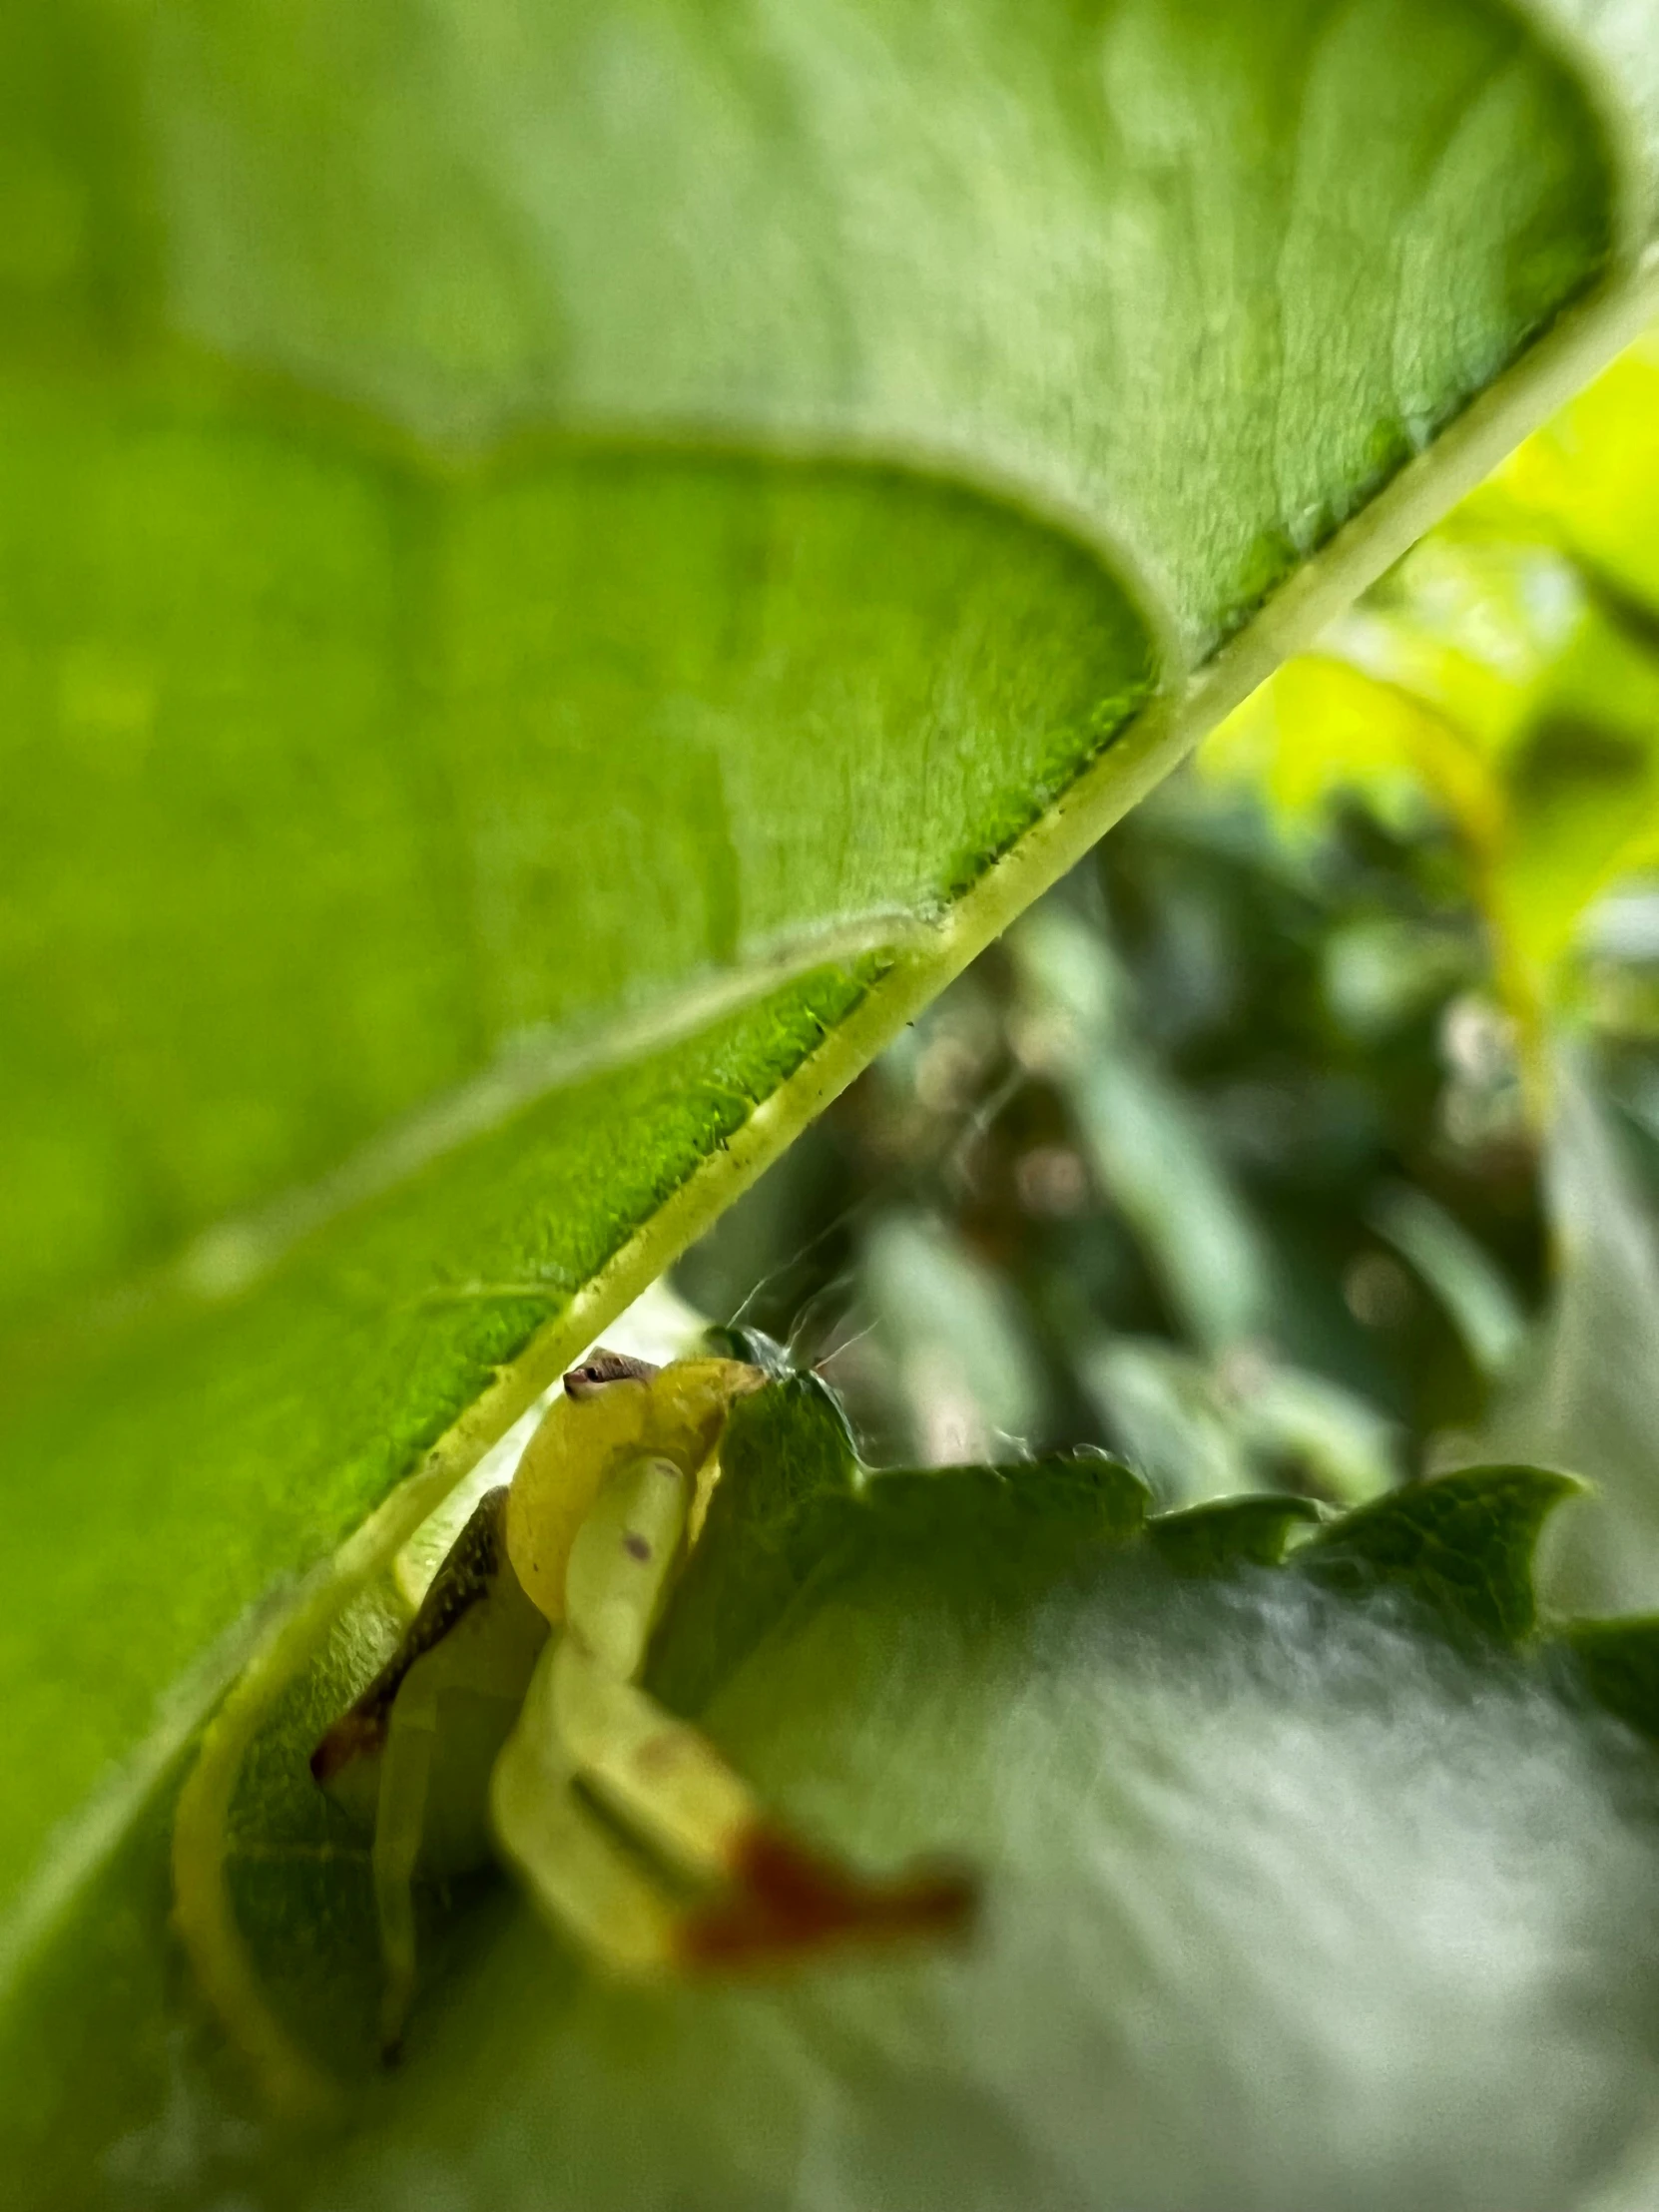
pixel 1229 1532
pixel 786 1462
pixel 1506 675
pixel 797 1508
pixel 1214 1815
pixel 1460 1545
pixel 1618 1662
pixel 559 574
pixel 1143 1140
pixel 1582 1393
pixel 1461 1274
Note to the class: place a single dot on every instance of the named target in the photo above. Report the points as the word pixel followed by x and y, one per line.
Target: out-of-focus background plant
pixel 1307 1134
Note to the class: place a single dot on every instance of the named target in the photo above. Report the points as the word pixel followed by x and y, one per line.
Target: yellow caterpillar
pixel 512 1707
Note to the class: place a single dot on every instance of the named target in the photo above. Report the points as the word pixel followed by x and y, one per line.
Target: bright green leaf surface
pixel 538 552
pixel 1504 674
pixel 517 875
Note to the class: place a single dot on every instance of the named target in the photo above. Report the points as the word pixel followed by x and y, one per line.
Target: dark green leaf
pixel 796 1511
pixel 1460 1545
pixel 1618 1661
pixel 1229 1532
pixel 787 1459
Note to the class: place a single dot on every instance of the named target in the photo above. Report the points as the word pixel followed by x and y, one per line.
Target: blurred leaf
pixel 1320 725
pixel 1584 1393
pixel 1200 1430
pixel 1456 1267
pixel 1150 1153
pixel 1338 1443
pixel 950 1324
pixel 1162 1407
pixel 1506 675
pixel 1383 972
pixel 1593 473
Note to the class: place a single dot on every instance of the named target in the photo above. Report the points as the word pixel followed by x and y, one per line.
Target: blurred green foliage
pixel 1271 1148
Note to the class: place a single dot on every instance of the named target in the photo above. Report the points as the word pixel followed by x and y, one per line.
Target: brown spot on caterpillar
pixel 603 1367
pixel 662 1753
pixel 362 1729
pixel 472 1562
pixel 636 1547
pixel 786 1900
